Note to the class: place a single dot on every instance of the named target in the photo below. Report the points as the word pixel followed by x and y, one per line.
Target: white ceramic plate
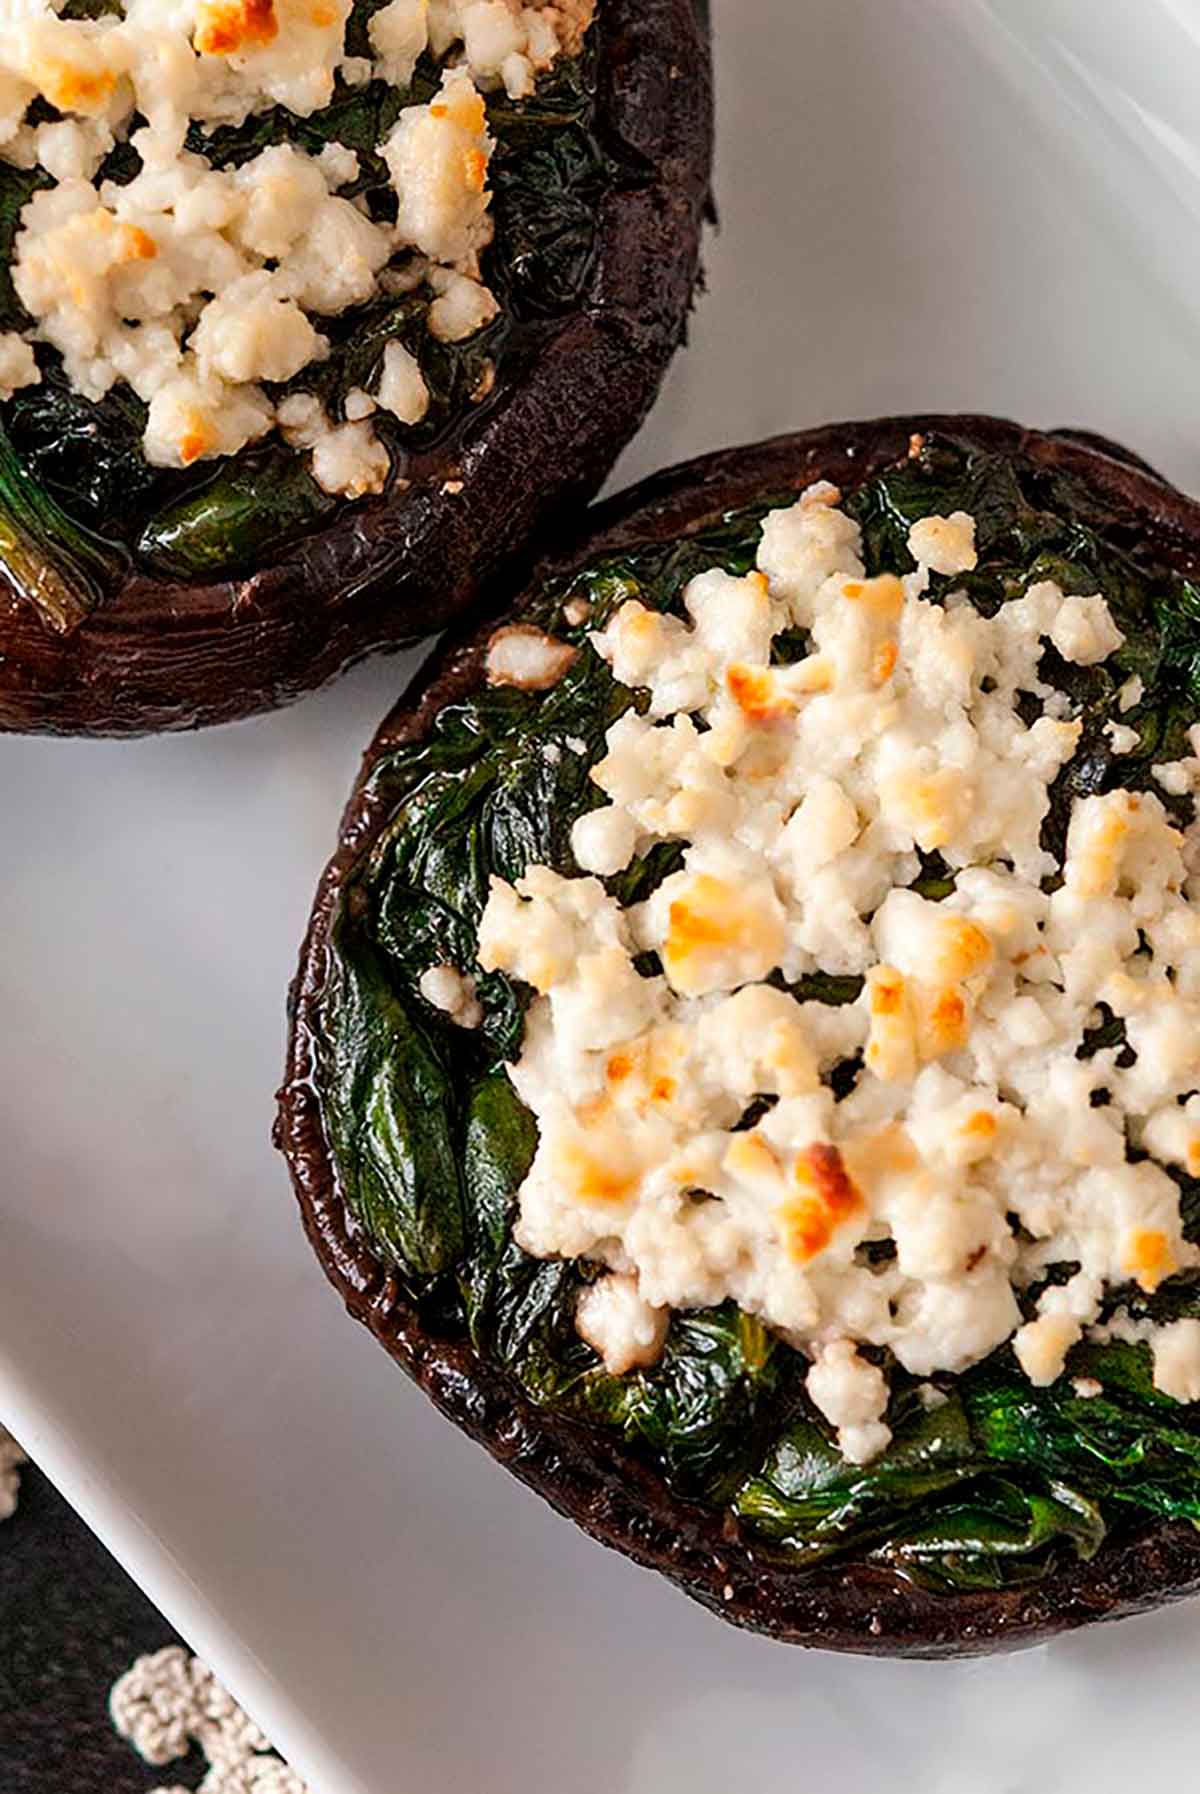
pixel 925 204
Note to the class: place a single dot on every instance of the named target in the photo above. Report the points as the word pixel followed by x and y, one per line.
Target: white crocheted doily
pixel 169 1701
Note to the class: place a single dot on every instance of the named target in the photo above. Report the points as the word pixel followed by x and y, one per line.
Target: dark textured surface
pixel 582 1472
pixel 71 1622
pixel 163 655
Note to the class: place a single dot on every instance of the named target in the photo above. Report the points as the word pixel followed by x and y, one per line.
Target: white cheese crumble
pixel 346 458
pixel 1121 738
pixel 197 285
pixel 504 43
pixel 402 389
pixel 462 306
pixel 528 658
pixel 1177 1360
pixel 851 1393
pixel 17 365
pixel 453 992
pixel 944 544
pixel 349 459
pixel 800 795
pixel 617 1322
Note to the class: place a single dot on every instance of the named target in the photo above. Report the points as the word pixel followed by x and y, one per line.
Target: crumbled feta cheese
pixel 288 49
pixel 340 166
pixel 615 1321
pixel 303 420
pixel 798 794
pixel 1177 1360
pixel 399 32
pixel 335 263
pixel 192 418
pixel 536 928
pixel 1042 1346
pixel 351 461
pixel 1121 738
pixel 852 1394
pixel 117 276
pixel 72 149
pixel 253 333
pixel 805 544
pixel 402 389
pixel 348 459
pixel 503 42
pixel 272 201
pixel 717 927
pixel 603 841
pixel 944 544
pixel 1175 777
pixel 17 365
pixel 462 306
pixel 527 658
pixel 437 156
pixel 495 40
pixel 358 405
pixel 1083 630
pixel 450 990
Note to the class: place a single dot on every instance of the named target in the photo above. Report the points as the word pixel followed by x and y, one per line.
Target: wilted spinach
pixel 988 1481
pixel 77 497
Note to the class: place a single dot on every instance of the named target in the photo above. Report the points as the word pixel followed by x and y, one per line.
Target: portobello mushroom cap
pixel 586 1472
pixel 165 653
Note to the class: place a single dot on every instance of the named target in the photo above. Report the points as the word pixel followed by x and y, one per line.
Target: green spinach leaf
pixel 392 1122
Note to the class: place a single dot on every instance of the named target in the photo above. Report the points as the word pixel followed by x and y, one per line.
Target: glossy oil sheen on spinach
pixel 78 500
pixel 988 1481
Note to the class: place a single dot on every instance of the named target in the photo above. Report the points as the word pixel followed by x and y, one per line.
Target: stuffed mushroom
pixel 309 316
pixel 745 1062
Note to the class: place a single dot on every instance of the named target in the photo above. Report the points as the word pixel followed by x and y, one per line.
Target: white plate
pixel 926 204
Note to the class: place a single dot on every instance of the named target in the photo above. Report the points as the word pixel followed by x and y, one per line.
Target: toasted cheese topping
pixel 718 934
pixel 1177 1360
pixel 223 27
pixel 447 989
pixel 828 1196
pixel 18 367
pixel 623 1328
pixel 527 658
pixel 851 1392
pixel 198 286
pixel 944 544
pixel 969 1139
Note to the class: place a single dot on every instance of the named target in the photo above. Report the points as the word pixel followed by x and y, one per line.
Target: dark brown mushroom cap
pixel 162 654
pixel 586 1473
